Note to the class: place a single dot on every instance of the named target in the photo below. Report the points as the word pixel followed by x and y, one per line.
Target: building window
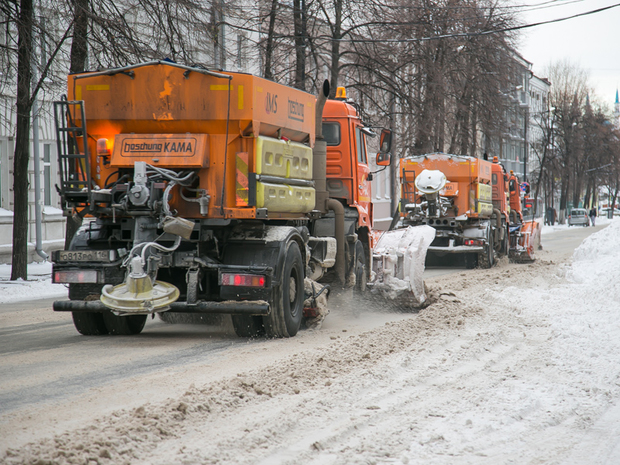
pixel 241 53
pixel 47 174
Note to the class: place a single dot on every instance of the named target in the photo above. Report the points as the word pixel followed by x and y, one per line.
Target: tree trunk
pixel 79 43
pixel 564 185
pixel 336 35
pixel 299 17
pixel 19 268
pixel 270 45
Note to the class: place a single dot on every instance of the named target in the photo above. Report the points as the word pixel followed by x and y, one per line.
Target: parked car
pixel 578 216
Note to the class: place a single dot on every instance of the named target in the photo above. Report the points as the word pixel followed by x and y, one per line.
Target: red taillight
pixel 75 276
pixel 244 280
pixel 469 242
pixel 473 242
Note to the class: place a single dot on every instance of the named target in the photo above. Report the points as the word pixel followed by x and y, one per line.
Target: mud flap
pixel 398 265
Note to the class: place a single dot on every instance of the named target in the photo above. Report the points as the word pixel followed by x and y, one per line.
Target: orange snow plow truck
pixel 474 206
pixel 208 192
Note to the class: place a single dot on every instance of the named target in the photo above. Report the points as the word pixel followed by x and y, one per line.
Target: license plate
pixel 86 255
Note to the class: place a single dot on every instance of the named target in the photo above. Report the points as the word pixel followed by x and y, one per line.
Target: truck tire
pixel 287 300
pixel 248 325
pixel 87 324
pixel 360 267
pixel 505 246
pixel 124 325
pixel 487 259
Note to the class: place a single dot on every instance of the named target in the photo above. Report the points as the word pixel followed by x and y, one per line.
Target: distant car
pixel 578 216
pixel 605 212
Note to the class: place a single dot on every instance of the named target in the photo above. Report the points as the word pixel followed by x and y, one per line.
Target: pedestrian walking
pixel 550 216
pixel 592 216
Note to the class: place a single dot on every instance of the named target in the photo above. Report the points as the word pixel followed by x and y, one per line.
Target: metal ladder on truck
pixel 408 186
pixel 73 160
pixel 407 195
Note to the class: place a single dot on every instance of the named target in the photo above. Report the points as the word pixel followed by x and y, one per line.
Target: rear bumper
pixel 256 307
pixel 457 249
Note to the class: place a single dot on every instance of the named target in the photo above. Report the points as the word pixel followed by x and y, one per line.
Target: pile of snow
pixel 38 286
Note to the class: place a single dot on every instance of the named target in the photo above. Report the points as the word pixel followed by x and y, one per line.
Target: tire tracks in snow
pixel 475 378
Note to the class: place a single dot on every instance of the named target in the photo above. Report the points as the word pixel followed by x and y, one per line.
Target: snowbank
pixel 38 286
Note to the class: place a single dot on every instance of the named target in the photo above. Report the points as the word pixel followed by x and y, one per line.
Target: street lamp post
pixel 525 143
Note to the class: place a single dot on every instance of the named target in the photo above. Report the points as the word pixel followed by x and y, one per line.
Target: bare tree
pixel 568 97
pixel 24 15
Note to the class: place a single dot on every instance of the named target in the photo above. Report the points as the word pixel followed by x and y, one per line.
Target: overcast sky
pixel 592 41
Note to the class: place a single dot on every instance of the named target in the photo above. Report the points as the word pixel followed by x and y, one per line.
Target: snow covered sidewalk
pixel 516 364
pixel 38 286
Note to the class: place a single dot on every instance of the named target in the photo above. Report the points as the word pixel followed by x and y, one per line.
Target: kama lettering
pixel 178 147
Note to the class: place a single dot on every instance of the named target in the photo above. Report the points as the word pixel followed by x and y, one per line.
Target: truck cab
pixel 348 180
pixel 348 177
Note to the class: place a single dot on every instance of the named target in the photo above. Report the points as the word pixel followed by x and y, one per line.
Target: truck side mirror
pixel 385 142
pixel 383 159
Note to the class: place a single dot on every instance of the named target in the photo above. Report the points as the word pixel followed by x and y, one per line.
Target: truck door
pixel 363 183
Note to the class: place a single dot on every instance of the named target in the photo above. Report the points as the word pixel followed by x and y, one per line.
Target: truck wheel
pixel 360 267
pixel 488 258
pixel 89 324
pixel 248 325
pixel 287 299
pixel 124 325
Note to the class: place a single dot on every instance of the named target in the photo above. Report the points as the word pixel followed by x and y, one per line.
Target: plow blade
pixel 398 265
pixel 527 240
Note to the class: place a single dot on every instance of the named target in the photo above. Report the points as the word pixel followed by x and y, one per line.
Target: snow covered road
pixel 516 364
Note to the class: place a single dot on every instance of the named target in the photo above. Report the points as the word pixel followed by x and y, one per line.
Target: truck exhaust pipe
pixel 333 204
pixel 319 174
pixel 319 155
